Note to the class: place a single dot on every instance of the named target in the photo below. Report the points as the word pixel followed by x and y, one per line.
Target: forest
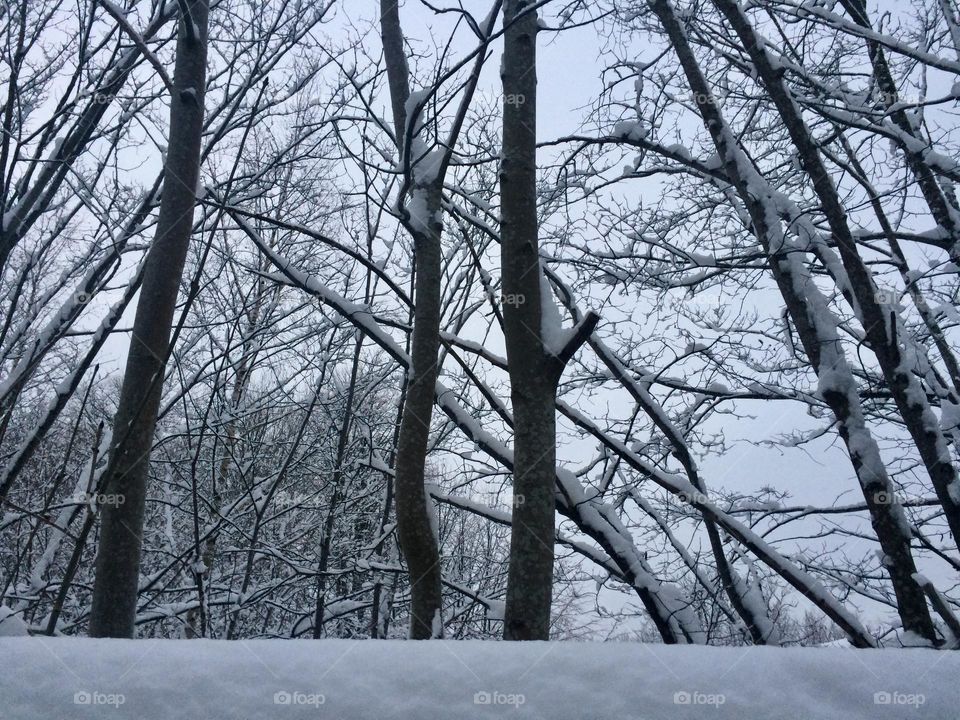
pixel 622 322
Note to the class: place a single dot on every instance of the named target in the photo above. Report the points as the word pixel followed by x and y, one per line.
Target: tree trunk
pixel 337 496
pixel 819 342
pixel 118 559
pixel 944 214
pixel 534 368
pixel 414 529
pixel 880 322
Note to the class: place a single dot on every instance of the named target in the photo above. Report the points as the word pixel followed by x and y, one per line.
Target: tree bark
pixel 944 214
pixel 118 559
pixel 823 352
pixel 534 372
pixel 414 529
pixel 880 322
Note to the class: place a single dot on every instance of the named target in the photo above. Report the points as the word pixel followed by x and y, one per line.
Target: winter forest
pixel 628 322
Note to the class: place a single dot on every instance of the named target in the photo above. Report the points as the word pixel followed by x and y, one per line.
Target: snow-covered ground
pixel 53 679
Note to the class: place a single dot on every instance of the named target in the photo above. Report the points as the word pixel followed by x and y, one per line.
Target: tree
pixel 417 539
pixel 118 560
pixel 813 322
pixel 881 324
pixel 726 443
pixel 537 348
pixel 420 204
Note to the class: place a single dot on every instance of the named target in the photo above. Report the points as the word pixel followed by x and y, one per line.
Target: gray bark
pixel 875 484
pixel 534 373
pixel 943 213
pixel 118 558
pixel 414 529
pixel 879 322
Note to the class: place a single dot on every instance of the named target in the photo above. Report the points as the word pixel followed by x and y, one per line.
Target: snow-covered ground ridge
pixel 54 678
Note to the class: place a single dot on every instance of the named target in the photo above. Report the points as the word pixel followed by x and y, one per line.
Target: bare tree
pixel 417 539
pixel 420 205
pixel 114 607
pixel 812 320
pixel 537 350
pixel 692 222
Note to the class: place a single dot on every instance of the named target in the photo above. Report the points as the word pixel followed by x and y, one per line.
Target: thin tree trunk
pixel 534 368
pixel 880 322
pixel 819 342
pixel 949 392
pixel 758 627
pixel 414 529
pixel 338 492
pixel 118 559
pixel 944 214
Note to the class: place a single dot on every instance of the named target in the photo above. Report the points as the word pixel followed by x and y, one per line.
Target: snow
pixel 630 130
pixel 596 519
pixel 427 168
pixel 912 639
pixel 8 217
pixel 799 578
pixel 414 104
pixel 496 610
pixel 555 337
pixel 949 415
pixel 703 259
pixel 11 624
pixel 421 218
pixel 432 510
pixel 359 679
pixel 680 151
pixel 953 490
pixel 752 598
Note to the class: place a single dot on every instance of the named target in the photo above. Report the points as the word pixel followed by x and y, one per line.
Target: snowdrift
pixel 61 678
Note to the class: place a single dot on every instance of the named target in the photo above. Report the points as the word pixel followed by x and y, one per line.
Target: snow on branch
pixel 118 15
pixel 593 517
